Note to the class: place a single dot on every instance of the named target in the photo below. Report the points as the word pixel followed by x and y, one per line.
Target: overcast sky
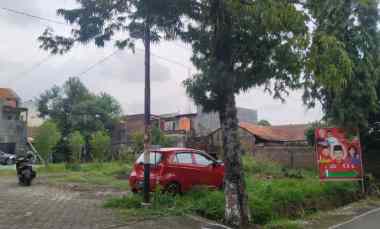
pixel 121 76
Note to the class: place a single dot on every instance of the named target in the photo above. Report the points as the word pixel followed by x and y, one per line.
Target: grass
pixel 276 196
pixel 105 174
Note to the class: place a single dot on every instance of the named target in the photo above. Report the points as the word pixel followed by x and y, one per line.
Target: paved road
pixel 369 221
pixel 45 207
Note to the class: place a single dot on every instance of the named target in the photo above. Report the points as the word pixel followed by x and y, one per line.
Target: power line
pixel 166 59
pixel 101 61
pixel 62 23
pixel 97 63
pixel 180 46
pixel 26 72
pixel 33 16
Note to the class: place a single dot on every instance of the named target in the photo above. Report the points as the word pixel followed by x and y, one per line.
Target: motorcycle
pixel 24 167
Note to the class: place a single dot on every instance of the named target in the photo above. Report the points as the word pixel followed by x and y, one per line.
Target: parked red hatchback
pixel 177 170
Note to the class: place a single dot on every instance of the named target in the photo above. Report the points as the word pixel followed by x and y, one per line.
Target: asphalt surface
pixel 367 221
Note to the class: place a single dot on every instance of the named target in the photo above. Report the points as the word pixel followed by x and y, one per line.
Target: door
pixel 182 167
pixel 205 170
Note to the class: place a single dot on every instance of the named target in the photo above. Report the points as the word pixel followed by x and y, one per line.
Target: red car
pixel 177 170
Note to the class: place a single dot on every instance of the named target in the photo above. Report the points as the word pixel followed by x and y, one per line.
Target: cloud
pixel 129 68
pixel 30 7
pixel 122 76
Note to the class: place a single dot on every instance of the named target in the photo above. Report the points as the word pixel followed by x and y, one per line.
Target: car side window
pixel 202 160
pixel 184 158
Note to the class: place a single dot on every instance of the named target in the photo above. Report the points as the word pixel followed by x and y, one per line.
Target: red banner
pixel 339 156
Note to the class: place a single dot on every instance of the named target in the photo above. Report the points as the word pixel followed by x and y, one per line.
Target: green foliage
pixel 310 132
pixel 237 45
pixel 100 145
pixel 76 143
pixel 263 166
pixel 99 21
pixel 112 174
pixel 46 139
pixel 273 201
pixel 157 138
pixel 137 142
pixel 264 122
pixel 342 70
pixel 74 108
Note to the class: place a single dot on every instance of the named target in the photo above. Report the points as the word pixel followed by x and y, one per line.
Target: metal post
pixel 147 115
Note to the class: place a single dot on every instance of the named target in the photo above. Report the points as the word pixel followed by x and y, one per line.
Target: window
pixel 202 160
pixel 155 158
pixel 184 158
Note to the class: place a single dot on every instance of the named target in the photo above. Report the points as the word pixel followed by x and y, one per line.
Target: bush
pixel 124 202
pixel 76 143
pixel 261 166
pixel 47 138
pixel 270 200
pixel 100 145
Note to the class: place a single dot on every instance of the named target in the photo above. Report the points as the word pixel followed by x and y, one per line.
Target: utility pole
pixel 147 114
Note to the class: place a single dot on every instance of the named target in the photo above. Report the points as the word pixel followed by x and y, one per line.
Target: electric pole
pixel 147 113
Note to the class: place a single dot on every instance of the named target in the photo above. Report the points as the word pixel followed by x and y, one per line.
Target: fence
pixel 289 156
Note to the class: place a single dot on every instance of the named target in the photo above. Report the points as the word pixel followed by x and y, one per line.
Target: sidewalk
pixel 342 218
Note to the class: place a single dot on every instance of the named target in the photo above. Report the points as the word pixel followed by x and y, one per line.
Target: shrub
pixel 100 145
pixel 46 139
pixel 270 200
pixel 76 143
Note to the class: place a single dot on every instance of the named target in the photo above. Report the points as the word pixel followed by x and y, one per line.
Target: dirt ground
pixel 43 206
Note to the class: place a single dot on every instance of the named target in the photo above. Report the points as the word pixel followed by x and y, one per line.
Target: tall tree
pixel 238 45
pixel 73 107
pixel 343 61
pixel 101 20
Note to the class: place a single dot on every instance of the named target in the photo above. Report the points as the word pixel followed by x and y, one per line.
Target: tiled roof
pixel 7 93
pixel 277 133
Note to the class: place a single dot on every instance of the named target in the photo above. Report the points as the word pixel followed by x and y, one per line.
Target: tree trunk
pixel 237 213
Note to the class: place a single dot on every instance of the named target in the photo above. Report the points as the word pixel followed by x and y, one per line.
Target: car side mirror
pixel 216 163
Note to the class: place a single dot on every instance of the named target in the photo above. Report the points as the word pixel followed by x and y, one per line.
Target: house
pixel 285 144
pixel 128 126
pixel 178 127
pixel 205 123
pixel 13 122
pixel 177 123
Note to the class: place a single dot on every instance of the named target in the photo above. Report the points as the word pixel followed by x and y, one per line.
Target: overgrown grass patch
pixel 275 198
pixel 106 174
pixel 209 204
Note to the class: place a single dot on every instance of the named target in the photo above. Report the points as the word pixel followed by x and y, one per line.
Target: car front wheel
pixel 173 188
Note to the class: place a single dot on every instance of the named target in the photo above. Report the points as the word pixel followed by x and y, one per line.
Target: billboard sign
pixel 339 156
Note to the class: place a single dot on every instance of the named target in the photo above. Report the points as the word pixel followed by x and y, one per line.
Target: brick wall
pixel 289 156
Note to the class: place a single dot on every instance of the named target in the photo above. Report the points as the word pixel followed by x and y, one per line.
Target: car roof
pixel 172 149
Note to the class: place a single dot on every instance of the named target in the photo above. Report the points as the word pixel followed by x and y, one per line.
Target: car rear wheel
pixel 9 162
pixel 173 188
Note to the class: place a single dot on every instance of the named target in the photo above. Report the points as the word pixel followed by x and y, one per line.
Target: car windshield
pixel 154 158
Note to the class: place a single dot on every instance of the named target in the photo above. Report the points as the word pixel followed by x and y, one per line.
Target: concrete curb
pixel 355 218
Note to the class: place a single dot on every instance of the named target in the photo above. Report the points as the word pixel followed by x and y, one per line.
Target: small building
pixel 285 144
pixel 205 123
pixel 13 122
pixel 127 127
pixel 179 127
